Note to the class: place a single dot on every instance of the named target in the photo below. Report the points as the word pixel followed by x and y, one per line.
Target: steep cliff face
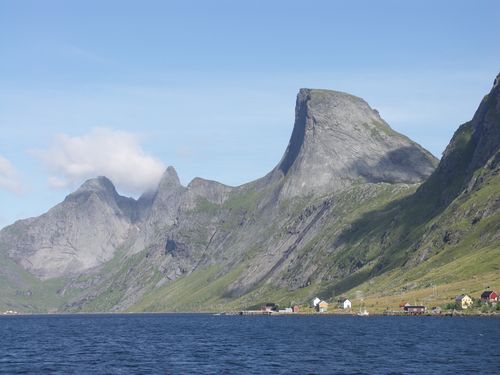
pixel 338 140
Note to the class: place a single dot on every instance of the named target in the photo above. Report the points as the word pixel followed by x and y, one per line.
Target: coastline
pixel 253 314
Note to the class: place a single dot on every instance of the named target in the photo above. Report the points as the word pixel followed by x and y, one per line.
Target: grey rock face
pixel 338 140
pixel 165 200
pixel 158 210
pixel 80 233
pixel 212 191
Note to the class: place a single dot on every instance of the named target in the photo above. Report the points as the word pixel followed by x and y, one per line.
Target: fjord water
pixel 206 344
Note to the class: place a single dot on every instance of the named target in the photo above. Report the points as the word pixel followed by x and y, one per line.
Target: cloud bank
pixel 102 152
pixel 9 177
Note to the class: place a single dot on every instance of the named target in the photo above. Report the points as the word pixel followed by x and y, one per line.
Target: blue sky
pixel 209 86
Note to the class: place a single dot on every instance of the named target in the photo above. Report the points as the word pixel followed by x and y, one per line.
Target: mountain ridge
pixel 317 223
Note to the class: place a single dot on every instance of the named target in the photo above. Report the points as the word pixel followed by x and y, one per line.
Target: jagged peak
pixel 105 189
pixel 168 187
pixel 170 178
pixel 100 183
pixel 168 181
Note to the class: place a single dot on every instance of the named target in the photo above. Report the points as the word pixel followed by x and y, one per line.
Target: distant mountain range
pixel 352 208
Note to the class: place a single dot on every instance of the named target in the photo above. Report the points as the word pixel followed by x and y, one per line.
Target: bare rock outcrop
pixel 338 140
pixel 80 233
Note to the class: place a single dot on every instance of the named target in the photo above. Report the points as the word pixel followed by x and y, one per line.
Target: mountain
pixel 338 139
pixel 78 234
pixel 353 206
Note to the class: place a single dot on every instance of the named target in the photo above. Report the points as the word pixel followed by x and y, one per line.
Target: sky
pixel 126 88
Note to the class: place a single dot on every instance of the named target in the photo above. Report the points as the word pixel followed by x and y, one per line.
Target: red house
pixel 489 296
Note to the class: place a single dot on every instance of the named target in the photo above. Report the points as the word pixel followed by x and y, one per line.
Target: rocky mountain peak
pixel 200 183
pixel 339 139
pixel 486 124
pixel 169 179
pixel 211 190
pixel 100 183
pixel 100 186
pixel 482 133
pixel 102 191
pixel 496 83
pixel 80 233
pixel 161 205
pixel 165 196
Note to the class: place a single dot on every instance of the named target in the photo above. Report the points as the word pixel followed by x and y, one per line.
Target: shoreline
pixel 253 314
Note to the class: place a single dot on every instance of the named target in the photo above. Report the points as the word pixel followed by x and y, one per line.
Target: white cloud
pixel 102 152
pixel 9 177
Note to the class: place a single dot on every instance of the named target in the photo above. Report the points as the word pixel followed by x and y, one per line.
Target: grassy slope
pixel 469 264
pixel 21 291
pixel 117 275
pixel 201 290
pixel 205 289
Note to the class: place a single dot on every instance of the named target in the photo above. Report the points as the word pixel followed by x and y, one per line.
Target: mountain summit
pixel 338 139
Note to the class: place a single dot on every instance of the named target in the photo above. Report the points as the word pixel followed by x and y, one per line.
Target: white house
pixel 316 301
pixel 344 303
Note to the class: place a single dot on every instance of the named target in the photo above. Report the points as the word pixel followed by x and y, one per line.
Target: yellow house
pixel 464 301
pixel 322 306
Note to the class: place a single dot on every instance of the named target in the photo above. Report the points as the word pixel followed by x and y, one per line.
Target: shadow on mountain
pixel 297 138
pixel 394 229
pixel 394 167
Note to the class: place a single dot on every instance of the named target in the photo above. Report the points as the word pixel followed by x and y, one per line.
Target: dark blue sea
pixel 206 344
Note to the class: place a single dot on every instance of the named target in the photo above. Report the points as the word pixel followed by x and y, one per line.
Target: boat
pixel 363 312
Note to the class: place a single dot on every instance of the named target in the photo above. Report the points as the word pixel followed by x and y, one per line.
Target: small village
pixel 486 303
